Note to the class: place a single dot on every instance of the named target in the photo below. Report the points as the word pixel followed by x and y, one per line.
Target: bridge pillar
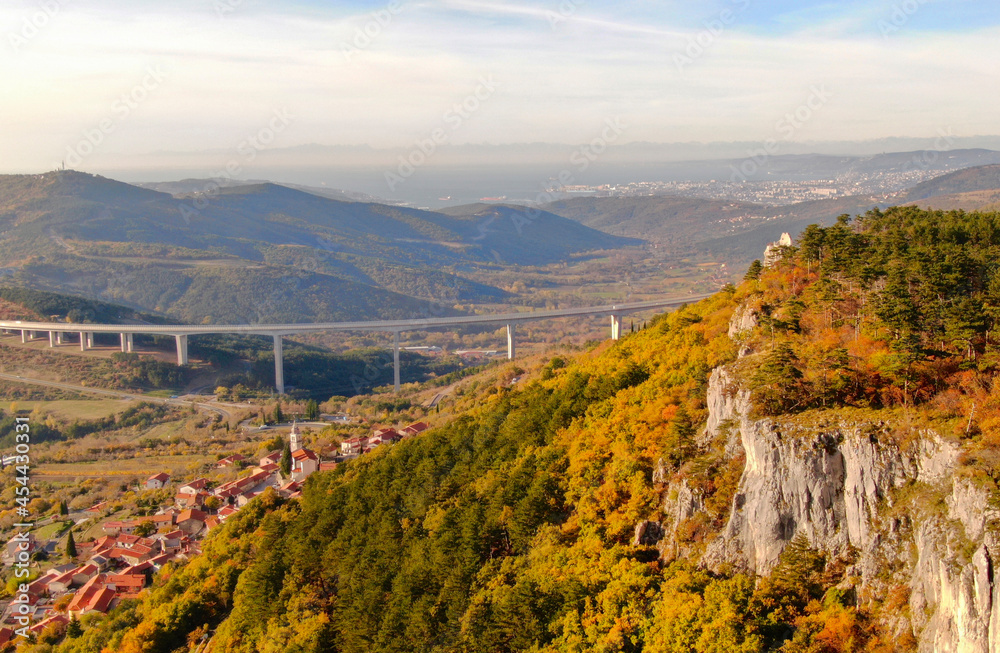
pixel 182 349
pixel 510 342
pixel 128 342
pixel 52 338
pixel 24 336
pixel 59 337
pixel 616 327
pixel 90 340
pixel 395 360
pixel 124 342
pixel 279 369
pixel 83 341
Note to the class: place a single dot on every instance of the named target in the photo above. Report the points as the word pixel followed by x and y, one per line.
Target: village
pixel 101 572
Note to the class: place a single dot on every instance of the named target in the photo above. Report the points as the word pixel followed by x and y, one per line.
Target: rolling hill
pixel 737 231
pixel 262 252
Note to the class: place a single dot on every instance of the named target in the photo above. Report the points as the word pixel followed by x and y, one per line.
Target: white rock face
pixel 728 407
pixel 837 484
pixel 744 319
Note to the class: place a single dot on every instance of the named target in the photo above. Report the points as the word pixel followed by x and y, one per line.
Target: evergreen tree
pixel 279 416
pixel 71 552
pixel 312 409
pixel 63 508
pixel 680 437
pixel 286 459
pixel 778 384
pixel 73 628
pixel 753 272
pixel 811 242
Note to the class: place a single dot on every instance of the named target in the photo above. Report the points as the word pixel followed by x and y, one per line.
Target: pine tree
pixel 754 271
pixel 279 416
pixel 71 547
pixel 73 628
pixel 680 437
pixel 286 459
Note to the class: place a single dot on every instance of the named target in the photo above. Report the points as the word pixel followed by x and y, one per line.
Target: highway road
pixel 378 325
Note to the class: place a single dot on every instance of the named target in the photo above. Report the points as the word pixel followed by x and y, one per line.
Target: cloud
pixel 557 81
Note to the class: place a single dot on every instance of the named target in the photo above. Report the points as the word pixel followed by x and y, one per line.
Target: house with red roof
pixel 304 463
pixel 353 446
pixel 185 500
pixel 157 481
pixel 193 487
pixel 270 458
pixel 414 429
pixel 191 521
pixel 230 461
pixel 92 597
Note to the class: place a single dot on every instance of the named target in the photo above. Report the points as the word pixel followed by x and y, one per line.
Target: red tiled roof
pixel 92 596
pixel 191 513
pixel 162 477
pixel 304 454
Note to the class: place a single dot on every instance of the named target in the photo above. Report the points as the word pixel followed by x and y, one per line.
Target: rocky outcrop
pixel 897 510
pixel 744 320
pixel 861 494
pixel 647 533
pixel 728 410
pixel 681 502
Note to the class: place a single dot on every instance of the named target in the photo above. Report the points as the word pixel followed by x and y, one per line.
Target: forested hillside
pixel 265 252
pixel 548 516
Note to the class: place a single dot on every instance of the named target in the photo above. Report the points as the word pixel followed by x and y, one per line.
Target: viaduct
pixel 58 331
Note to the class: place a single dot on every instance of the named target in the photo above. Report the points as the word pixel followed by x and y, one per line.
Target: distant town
pixel 882 185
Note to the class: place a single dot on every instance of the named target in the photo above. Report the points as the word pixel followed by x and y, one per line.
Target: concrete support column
pixel 122 338
pixel 128 342
pixel 616 327
pixel 182 349
pixel 83 341
pixel 279 370
pixel 24 336
pixel 510 342
pixel 52 338
pixel 59 337
pixel 395 360
pixel 90 340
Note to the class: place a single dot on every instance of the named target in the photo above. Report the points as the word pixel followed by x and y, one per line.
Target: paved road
pixel 115 394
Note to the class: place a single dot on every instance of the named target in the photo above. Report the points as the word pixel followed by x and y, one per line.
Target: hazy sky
pixel 137 76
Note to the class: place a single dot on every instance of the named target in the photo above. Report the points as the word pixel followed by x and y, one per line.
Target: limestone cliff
pixel 893 505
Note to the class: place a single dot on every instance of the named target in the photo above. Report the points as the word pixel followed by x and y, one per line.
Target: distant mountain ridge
pixel 262 252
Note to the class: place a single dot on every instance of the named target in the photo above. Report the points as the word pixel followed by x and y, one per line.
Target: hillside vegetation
pixel 513 528
pixel 265 252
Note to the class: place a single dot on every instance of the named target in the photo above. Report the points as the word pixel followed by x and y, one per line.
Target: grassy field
pixel 140 467
pixel 53 530
pixel 69 410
